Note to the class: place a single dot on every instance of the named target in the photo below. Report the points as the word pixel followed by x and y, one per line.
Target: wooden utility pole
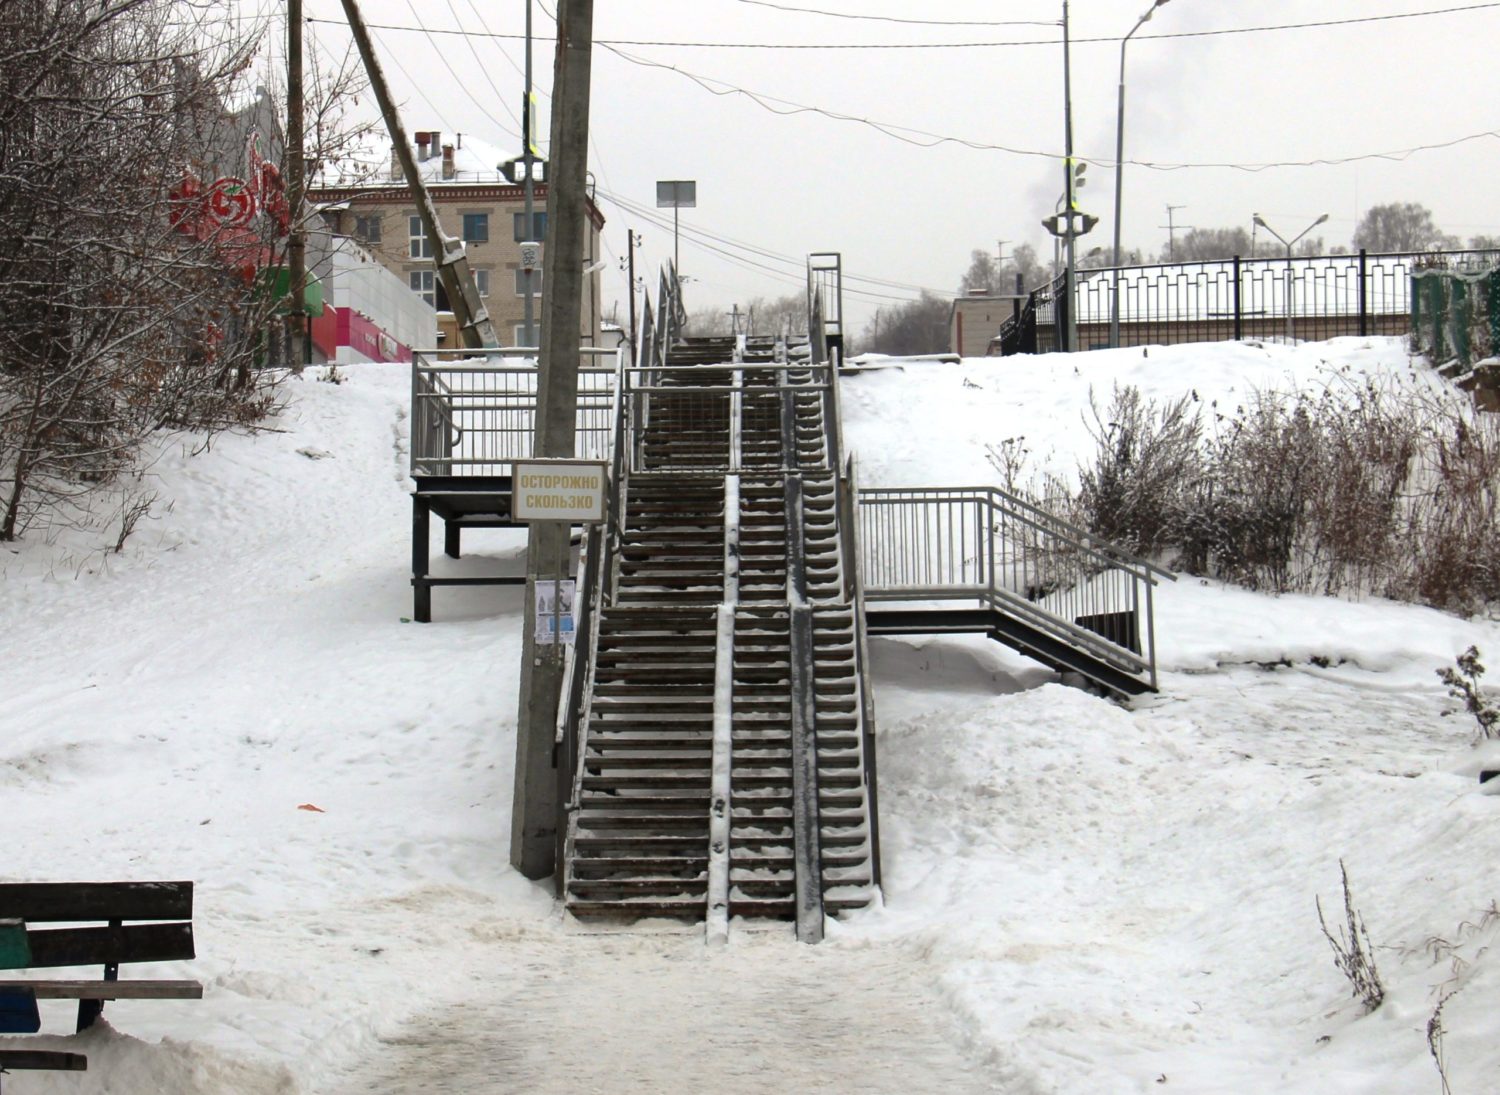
pixel 296 167
pixel 534 813
pixel 448 255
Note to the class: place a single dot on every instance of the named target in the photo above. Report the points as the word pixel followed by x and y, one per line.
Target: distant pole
pixel 534 810
pixel 528 124
pixel 296 167
pixel 1071 332
pixel 630 264
pixel 1114 304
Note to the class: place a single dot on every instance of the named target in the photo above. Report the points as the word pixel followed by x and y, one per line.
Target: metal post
pixel 1071 331
pixel 1364 302
pixel 1114 308
pixel 534 813
pixel 1239 328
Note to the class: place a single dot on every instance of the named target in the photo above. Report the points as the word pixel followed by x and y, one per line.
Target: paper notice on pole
pixel 555 622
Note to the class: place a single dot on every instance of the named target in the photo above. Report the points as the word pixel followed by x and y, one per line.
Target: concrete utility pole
pixel 528 154
pixel 452 265
pixel 300 345
pixel 534 813
pixel 1070 334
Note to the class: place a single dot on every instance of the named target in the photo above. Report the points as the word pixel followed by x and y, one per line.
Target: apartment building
pixel 475 202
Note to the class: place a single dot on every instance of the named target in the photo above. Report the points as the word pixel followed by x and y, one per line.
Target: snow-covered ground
pixel 1080 896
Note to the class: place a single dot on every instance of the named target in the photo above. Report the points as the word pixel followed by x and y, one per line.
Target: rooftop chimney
pixel 436 144
pixel 422 139
pixel 395 164
pixel 450 170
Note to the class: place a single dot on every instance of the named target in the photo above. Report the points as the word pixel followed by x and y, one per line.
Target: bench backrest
pixel 112 902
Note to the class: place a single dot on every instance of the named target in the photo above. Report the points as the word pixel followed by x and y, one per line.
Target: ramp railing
pixel 477 415
pixel 984 544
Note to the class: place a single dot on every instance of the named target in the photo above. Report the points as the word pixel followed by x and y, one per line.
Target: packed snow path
pixel 653 1014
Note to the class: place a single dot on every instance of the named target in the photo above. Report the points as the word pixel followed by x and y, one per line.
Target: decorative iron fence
pixel 1310 298
pixel 985 544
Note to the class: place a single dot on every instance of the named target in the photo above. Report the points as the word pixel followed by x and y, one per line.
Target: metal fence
pixel 477 415
pixel 1310 298
pixel 1455 315
pixel 984 544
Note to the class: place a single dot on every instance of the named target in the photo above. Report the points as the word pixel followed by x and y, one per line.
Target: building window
pixel 482 281
pixel 367 228
pixel 538 223
pixel 422 284
pixel 521 334
pixel 421 246
pixel 536 282
pixel 476 227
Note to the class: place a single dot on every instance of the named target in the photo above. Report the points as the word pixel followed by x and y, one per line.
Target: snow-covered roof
pixel 475 160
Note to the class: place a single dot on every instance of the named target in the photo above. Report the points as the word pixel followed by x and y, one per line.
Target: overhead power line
pixel 898 19
pixel 740 254
pixel 925 139
pixel 1264 28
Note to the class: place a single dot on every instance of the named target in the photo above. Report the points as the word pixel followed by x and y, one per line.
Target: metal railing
pixel 985 544
pixel 477 415
pixel 1167 303
pixel 696 409
pixel 825 301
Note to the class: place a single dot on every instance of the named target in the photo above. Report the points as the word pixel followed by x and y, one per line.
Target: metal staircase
pixel 721 764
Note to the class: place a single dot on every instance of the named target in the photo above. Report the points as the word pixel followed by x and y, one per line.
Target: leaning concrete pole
pixel 533 829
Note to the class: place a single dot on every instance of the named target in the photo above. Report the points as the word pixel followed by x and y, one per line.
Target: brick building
pixel 475 202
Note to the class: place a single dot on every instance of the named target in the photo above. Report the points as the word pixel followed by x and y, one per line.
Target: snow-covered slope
pixel 1079 896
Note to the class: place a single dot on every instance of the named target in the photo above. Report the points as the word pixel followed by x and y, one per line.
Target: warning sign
pixel 559 490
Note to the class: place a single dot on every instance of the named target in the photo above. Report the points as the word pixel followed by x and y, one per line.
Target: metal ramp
pixel 978 559
pixel 721 744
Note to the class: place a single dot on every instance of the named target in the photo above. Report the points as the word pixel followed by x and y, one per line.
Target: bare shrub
pixel 1353 953
pixel 1463 685
pixel 1435 1034
pixel 1146 459
pixel 1353 488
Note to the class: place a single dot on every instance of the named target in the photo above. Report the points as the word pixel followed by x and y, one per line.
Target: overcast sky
pixel 900 213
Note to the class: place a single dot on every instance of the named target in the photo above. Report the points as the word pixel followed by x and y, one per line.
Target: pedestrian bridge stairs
pixel 726 767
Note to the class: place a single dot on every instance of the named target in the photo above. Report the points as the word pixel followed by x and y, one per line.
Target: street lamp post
pixel 1289 245
pixel 1114 307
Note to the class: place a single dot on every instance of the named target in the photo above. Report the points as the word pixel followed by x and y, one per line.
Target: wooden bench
pixel 24 946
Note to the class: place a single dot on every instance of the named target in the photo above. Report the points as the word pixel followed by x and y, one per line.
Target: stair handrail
pixel 426 382
pixel 577 689
pixel 848 509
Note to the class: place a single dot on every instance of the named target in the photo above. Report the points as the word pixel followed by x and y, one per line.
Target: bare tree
pixel 1400 226
pixel 138 224
pixel 915 327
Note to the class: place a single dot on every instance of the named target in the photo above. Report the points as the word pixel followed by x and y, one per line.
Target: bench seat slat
pixel 34 1059
pixel 109 990
pixel 55 901
pixel 96 946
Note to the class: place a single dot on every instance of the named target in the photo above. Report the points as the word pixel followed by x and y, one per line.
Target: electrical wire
pixel 922 138
pixel 462 83
pixel 898 19
pixel 1264 28
pixel 798 264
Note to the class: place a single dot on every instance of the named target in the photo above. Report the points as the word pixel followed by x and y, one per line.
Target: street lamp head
pixel 1260 222
pixel 1320 220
